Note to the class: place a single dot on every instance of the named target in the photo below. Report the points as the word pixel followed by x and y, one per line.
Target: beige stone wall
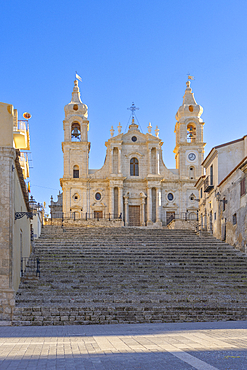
pixel 7 155
pixel 21 236
pixel 6 125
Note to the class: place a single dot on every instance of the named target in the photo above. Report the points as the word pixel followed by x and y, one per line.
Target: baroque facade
pixel 134 184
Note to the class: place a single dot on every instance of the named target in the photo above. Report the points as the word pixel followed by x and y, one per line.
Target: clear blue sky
pixel 125 51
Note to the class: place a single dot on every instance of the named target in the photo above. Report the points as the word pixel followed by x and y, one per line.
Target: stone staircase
pixel 132 275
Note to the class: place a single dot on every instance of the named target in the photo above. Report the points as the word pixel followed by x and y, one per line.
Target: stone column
pixel 120 201
pixel 157 162
pixel 119 161
pixel 111 160
pixel 149 207
pixel 149 161
pixel 158 205
pixel 111 200
pixel 142 211
pixel 126 201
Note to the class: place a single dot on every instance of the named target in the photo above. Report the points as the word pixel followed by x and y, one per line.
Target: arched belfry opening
pixel 76 172
pixel 191 133
pixel 75 132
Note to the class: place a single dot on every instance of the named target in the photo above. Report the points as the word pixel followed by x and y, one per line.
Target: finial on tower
pixel 157 131
pixel 112 131
pixel 149 127
pixel 119 128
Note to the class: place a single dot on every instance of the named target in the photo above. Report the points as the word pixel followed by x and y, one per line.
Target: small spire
pixel 119 128
pixel 149 127
pixel 157 131
pixel 112 131
pixel 76 93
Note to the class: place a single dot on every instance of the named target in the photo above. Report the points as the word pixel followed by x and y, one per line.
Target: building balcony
pixel 23 159
pixel 208 184
pixel 21 135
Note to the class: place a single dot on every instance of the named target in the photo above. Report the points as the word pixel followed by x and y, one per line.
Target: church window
pixel 76 172
pixel 97 196
pixel 234 219
pixel 134 138
pixel 75 132
pixel 134 167
pixel 201 193
pixel 170 197
pixel 191 133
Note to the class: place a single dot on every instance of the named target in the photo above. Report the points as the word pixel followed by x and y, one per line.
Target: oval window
pixel 170 196
pixel 134 138
pixel 97 196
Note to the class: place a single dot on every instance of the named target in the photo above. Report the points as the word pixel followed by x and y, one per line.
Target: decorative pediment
pixel 133 154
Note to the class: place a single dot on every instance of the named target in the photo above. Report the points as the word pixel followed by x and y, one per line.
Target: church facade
pixel 134 184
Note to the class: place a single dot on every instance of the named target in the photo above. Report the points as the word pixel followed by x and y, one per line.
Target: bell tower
pixel 189 149
pixel 75 148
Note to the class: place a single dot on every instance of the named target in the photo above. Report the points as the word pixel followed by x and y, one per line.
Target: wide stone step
pixel 132 275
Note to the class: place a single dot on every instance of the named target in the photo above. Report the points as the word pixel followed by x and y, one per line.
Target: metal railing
pixel 185 216
pixel 61 217
pixel 21 125
pixel 208 184
pixel 30 265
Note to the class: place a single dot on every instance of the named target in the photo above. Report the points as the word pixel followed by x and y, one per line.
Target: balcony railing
pixel 21 134
pixel 21 125
pixel 208 184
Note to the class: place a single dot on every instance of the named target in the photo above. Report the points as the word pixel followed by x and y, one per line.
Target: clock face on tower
pixel 191 156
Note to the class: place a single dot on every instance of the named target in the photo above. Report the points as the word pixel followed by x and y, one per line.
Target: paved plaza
pixel 202 346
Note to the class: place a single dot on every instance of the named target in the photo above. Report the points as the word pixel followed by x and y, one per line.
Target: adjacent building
pixel 14 205
pixel 222 193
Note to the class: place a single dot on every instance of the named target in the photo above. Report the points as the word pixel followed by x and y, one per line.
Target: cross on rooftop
pixel 133 108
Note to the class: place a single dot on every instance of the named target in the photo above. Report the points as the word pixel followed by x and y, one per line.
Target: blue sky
pixel 125 51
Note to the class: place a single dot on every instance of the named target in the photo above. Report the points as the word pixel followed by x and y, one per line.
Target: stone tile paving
pixel 179 346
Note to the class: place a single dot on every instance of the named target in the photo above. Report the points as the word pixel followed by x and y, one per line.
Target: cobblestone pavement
pixel 202 346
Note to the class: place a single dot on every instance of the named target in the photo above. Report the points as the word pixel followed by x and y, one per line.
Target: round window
pixel 75 107
pixel 76 197
pixel 134 138
pixel 97 196
pixel 170 196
